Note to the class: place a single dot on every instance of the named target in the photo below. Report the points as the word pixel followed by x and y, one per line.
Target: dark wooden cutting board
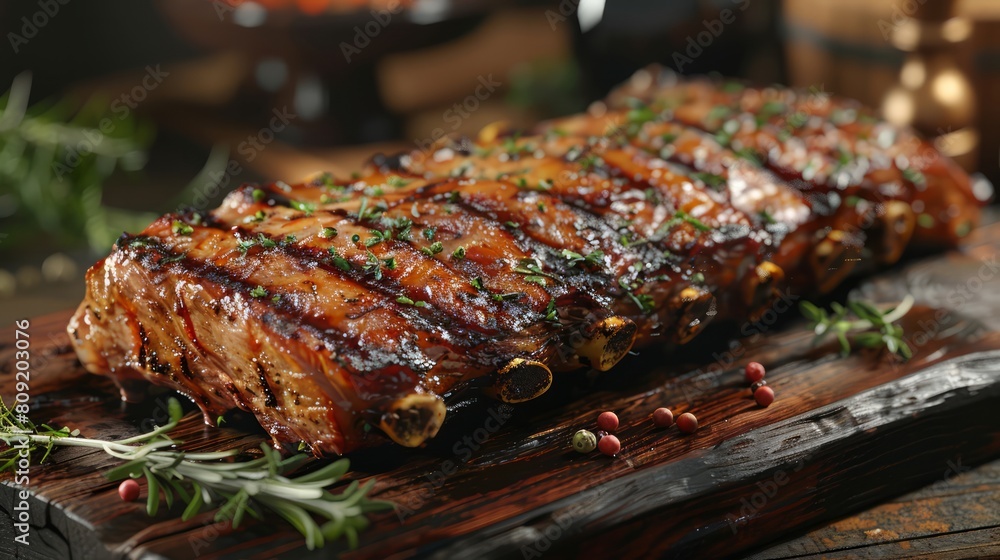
pixel 502 481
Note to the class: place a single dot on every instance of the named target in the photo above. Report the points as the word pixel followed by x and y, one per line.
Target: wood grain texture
pixel 501 480
pixel 956 516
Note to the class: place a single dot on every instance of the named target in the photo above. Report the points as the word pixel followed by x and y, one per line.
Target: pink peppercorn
pixel 128 490
pixel 687 423
pixel 754 372
pixel 607 421
pixel 663 418
pixel 609 445
pixel 764 396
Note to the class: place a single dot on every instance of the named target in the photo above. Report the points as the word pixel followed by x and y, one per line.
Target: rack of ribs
pixel 340 312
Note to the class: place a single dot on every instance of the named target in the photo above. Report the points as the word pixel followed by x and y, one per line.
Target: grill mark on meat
pixel 186 266
pixel 143 342
pixel 269 399
pixel 237 396
pixel 427 319
pixel 352 316
pixel 528 242
pixel 186 368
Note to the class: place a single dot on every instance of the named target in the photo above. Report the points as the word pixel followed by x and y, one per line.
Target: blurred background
pixel 120 110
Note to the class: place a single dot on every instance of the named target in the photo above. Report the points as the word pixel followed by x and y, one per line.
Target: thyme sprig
pixel 212 479
pixel 869 328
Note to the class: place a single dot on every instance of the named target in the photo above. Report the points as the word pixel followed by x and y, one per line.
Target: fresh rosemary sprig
pixel 206 480
pixel 870 327
pixel 55 158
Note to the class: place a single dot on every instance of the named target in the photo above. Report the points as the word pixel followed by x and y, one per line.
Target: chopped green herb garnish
pixel 377 237
pixel 593 258
pixel 640 115
pixel 645 302
pixel 512 148
pixel 482 152
pixel 477 283
pixel 766 217
pixel 397 181
pixel 749 155
pixel 505 297
pixel 697 278
pixel 533 272
pixel 719 112
pixel 258 292
pixel 541 207
pixel 366 213
pixel 710 179
pixel 328 233
pixel 339 261
pixel 627 241
pixel 732 87
pixel 770 109
pixel 265 242
pixel 432 249
pixel 925 220
pixel 244 246
pixel 551 313
pixel 276 298
pixel 258 195
pixel 373 266
pixel 303 206
pixel 428 233
pixel 914 176
pixel 458 253
pixel 513 225
pixel 797 120
pixel 545 184
pixel 181 228
pixel 590 162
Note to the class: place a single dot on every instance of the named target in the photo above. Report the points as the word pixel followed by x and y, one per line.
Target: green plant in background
pixel 548 87
pixel 54 160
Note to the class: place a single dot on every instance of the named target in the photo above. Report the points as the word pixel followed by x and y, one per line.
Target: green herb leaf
pixel 181 228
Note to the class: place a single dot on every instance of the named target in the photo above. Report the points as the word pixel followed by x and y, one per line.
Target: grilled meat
pixel 342 311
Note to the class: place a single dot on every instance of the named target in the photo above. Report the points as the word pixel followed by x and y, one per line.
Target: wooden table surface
pixel 958 516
